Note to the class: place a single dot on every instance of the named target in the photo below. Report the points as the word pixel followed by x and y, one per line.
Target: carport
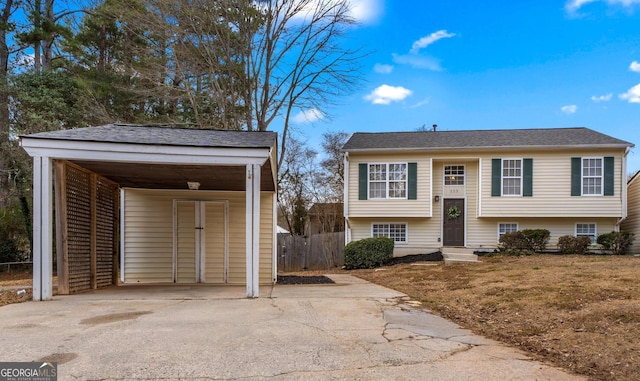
pixel 152 204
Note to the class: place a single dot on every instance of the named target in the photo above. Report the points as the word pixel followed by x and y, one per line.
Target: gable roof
pixel 164 136
pixel 524 138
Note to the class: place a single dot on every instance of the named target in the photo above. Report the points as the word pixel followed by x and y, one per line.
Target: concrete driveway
pixel 350 330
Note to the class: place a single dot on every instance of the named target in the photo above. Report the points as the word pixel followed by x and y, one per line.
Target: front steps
pixel 458 255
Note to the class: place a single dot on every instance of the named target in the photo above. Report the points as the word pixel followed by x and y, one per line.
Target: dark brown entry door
pixel 453 222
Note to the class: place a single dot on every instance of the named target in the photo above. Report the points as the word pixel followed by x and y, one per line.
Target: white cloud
pixel 382 68
pixel 308 116
pixel 363 11
pixel 421 103
pixel 572 6
pixel 569 109
pixel 602 98
pixel 366 11
pixel 430 39
pixel 632 95
pixel 417 62
pixel 385 94
pixel 635 66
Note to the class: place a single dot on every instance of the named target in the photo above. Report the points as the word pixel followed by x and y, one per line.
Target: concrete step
pixel 458 255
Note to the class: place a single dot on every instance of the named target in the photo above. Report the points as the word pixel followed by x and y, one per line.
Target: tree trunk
pixel 4 92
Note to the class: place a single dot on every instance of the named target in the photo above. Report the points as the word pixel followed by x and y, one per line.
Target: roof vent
pixel 435 127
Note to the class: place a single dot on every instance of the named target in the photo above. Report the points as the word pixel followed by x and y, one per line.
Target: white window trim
pixel 595 230
pixel 506 223
pixel 406 181
pixel 582 159
pixel 464 176
pixel 406 230
pixel 502 176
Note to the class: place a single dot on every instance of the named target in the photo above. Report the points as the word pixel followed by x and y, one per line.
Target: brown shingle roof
pixel 162 135
pixel 541 137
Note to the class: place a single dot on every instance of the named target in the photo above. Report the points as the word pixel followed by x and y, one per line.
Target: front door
pixel 200 242
pixel 453 222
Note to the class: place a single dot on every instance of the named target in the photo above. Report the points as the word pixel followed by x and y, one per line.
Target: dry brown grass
pixel 581 313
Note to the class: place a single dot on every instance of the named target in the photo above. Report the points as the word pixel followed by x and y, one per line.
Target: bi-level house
pixel 438 189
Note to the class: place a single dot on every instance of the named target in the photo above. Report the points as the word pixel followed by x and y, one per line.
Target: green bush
pixel 524 242
pixel 569 244
pixel 368 253
pixel 14 244
pixel 616 243
pixel 536 239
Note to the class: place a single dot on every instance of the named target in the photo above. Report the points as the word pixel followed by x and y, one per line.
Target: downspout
pixel 623 189
pixel 345 199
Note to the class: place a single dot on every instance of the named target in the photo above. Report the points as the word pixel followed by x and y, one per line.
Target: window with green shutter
pixel 387 181
pixel 592 176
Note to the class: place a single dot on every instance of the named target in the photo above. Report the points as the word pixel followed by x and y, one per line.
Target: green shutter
pixel 527 177
pixel 608 175
pixel 496 177
pixel 412 191
pixel 576 176
pixel 363 181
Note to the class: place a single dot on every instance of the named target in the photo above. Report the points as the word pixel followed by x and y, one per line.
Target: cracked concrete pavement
pixel 351 330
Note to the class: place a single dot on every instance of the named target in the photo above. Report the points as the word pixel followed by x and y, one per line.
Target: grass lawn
pixel 581 313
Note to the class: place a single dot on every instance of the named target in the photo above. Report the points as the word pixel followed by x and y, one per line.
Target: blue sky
pixel 493 65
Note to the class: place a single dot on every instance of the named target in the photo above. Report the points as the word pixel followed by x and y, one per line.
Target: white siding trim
pixel 143 153
pixel 274 247
pixel 479 195
pixel 122 233
pixel 252 223
pixel 42 228
pixel 345 190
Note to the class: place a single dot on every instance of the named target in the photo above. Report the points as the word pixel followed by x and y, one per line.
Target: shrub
pixel 569 244
pixel 536 239
pixel 524 242
pixel 615 242
pixel 368 253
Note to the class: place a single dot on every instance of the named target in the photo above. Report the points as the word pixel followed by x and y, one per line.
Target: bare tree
pixel 298 60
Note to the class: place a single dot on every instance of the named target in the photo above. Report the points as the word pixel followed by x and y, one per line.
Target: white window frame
pixel 389 224
pixel 457 176
pixel 503 177
pixel 501 233
pixel 600 192
pixel 593 236
pixel 387 181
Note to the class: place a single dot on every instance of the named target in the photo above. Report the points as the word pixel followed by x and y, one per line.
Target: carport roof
pixel 163 135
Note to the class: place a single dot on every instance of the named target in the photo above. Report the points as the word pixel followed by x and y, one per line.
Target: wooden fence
pixel 317 252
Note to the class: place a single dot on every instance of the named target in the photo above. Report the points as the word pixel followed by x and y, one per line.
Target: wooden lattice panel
pixel 78 201
pixel 87 217
pixel 106 230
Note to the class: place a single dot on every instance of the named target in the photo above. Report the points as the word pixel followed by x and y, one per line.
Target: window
pixel 592 176
pixel 506 228
pixel 396 231
pixel 588 230
pixel 511 177
pixel 454 175
pixel 388 180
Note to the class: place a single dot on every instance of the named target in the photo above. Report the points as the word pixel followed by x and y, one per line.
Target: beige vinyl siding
pixel 552 188
pixel 148 236
pixel 487 229
pixel 186 245
pixel 390 207
pixel 422 233
pixel 632 222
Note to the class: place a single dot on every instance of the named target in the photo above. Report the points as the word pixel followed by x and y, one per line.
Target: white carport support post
pixel 253 229
pixel 42 228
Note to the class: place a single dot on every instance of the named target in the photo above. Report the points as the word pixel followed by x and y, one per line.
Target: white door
pixel 200 242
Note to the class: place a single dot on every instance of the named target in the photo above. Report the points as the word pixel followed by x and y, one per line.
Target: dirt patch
pixel 433 257
pixel 304 279
pixel 578 312
pixel 111 318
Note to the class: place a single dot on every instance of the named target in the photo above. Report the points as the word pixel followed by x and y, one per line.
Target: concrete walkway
pixel 351 330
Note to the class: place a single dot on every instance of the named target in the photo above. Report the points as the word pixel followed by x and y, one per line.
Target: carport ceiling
pixel 167 176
